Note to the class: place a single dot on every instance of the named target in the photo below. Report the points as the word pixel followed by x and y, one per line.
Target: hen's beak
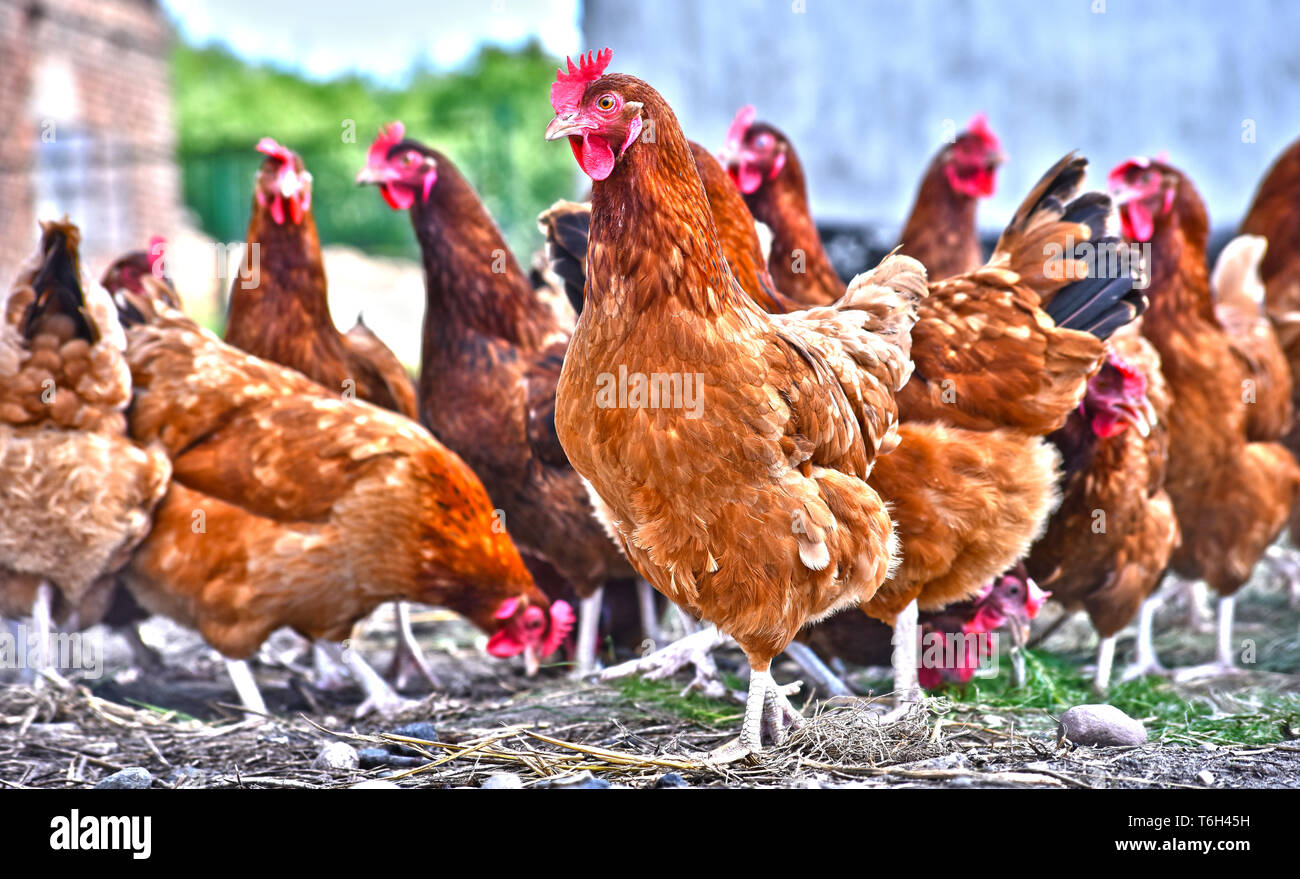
pixel 531 661
pixel 1135 416
pixel 370 175
pixel 565 126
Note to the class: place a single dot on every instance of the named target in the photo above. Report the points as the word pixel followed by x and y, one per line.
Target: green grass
pixel 666 696
pixel 1253 717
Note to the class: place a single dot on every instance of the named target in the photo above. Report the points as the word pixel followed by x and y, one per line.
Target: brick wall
pixel 85 91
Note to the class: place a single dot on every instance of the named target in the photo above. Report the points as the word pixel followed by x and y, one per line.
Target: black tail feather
pixel 567 227
pixel 1105 300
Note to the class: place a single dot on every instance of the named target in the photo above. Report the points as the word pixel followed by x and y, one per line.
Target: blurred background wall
pixel 865 89
pixel 85 99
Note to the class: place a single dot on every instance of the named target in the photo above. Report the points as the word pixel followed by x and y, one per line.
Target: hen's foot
pixel 1141 667
pixel 694 651
pixel 380 698
pixel 767 710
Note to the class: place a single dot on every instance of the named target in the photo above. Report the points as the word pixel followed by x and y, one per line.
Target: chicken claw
pixel 380 698
pixel 767 710
pixel 408 658
pixel 693 650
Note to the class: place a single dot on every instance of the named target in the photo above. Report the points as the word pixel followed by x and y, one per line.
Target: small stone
pixel 130 778
pixel 502 781
pixel 98 749
pixel 420 730
pixel 370 758
pixel 670 780
pixel 1206 777
pixel 1209 746
pixel 375 784
pixel 337 755
pixel 582 781
pixel 1100 726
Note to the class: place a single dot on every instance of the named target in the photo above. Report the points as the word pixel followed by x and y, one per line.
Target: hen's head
pixel 128 270
pixel 283 184
pixel 404 170
pixel 1144 190
pixel 524 627
pixel 755 152
pixel 1117 399
pixel 971 162
pixel 1014 599
pixel 600 114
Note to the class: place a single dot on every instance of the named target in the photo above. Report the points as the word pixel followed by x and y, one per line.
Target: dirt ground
pixel 491 724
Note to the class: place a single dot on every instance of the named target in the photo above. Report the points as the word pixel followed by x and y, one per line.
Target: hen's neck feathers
pixel 461 246
pixel 1179 278
pixel 290 296
pixel 653 239
pixel 940 230
pixel 782 203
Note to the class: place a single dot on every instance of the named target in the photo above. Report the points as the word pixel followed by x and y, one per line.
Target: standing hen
pixel 1232 485
pixel 490 362
pixel 76 495
pixel 282 314
pixel 743 497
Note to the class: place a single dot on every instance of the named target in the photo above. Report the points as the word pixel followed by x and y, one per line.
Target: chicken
pixel 768 173
pixel 940 231
pixel 281 313
pixel 736 481
pixel 76 494
pixel 1240 306
pixel 1273 216
pixel 491 358
pixel 1108 544
pixel 1231 489
pixel 290 506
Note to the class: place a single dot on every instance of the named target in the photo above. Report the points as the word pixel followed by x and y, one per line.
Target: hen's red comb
pixel 979 126
pixel 268 146
pixel 1120 171
pixel 157 244
pixel 566 91
pixel 390 135
pixel 745 117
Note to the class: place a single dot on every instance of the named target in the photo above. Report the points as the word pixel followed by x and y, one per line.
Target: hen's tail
pixel 1064 246
pixel 566 225
pixel 57 283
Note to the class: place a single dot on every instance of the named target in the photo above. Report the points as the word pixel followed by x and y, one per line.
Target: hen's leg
pixel 907 687
pixel 43 659
pixel 766 708
pixel 693 650
pixel 1285 563
pixel 826 681
pixel 1146 662
pixel 588 633
pixel 249 695
pixel 650 629
pixel 1105 661
pixel 1224 659
pixel 408 658
pixel 380 697
pixel 329 674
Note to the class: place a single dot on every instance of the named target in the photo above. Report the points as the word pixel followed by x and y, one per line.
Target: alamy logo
pixel 20 648
pixel 658 390
pixel 78 832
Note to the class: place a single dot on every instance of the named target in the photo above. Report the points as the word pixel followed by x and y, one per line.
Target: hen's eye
pixel 606 102
pixel 764 140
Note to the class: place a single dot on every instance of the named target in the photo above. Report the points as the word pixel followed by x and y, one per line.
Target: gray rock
pixel 337 755
pixel 502 781
pixel 130 778
pixel 375 784
pixel 419 730
pixel 1100 726
pixel 670 780
pixel 372 758
pixel 1206 777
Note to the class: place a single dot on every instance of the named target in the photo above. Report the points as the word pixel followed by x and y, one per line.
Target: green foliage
pixel 488 118
pixel 666 696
